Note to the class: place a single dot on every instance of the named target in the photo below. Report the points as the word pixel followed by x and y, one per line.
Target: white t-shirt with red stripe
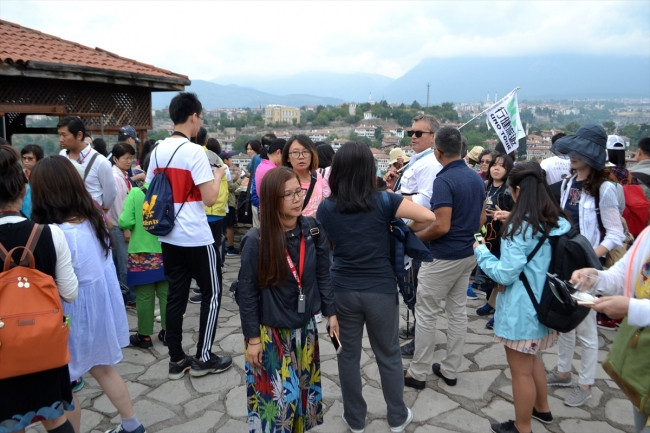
pixel 189 167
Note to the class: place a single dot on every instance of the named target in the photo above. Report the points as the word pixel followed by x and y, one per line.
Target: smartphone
pixel 478 237
pixel 335 340
pixel 336 343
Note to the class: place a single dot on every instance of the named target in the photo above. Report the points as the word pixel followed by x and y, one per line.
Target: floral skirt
pixel 533 346
pixel 285 395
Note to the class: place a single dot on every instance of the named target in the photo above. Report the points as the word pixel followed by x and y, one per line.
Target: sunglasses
pixel 418 134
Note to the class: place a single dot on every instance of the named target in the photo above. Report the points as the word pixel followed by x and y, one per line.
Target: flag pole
pixel 483 112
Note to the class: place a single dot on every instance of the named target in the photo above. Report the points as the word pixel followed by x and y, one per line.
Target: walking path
pixel 217 403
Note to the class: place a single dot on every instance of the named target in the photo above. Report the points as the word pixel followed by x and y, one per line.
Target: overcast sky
pixel 220 39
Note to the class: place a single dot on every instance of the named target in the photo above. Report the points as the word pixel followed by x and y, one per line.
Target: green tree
pixel 609 126
pixel 415 106
pixel 571 128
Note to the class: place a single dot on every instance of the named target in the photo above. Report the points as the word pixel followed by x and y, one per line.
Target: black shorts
pixel 231 217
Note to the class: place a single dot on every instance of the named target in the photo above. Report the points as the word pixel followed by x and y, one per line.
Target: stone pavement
pixel 217 403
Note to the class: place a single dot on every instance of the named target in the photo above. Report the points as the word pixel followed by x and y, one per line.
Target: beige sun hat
pixel 395 153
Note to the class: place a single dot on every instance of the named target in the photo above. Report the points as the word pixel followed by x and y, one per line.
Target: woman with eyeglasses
pixel 122 158
pixel 283 281
pixel 356 221
pixel 300 154
pixel 484 160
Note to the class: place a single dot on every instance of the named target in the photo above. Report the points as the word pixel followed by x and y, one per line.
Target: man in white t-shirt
pixel 556 167
pixel 189 250
pixel 93 167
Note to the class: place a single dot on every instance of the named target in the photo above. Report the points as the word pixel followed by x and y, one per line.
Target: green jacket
pixel 131 219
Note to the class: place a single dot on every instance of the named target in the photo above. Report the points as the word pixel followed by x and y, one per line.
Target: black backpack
pixel 557 309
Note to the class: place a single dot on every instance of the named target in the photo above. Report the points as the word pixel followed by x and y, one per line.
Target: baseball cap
pixel 226 154
pixel 614 142
pixel 129 131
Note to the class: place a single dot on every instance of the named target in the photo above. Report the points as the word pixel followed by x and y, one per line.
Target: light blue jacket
pixel 515 317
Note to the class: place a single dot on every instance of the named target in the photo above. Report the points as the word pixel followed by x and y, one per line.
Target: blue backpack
pixel 403 244
pixel 158 208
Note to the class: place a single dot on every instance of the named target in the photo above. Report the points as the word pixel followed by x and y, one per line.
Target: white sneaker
pixel 353 430
pixel 409 418
pixel 578 397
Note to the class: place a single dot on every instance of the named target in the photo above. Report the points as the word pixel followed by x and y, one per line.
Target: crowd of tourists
pixel 320 249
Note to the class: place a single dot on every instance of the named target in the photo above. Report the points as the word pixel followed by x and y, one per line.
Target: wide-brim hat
pixel 395 153
pixel 475 153
pixel 589 144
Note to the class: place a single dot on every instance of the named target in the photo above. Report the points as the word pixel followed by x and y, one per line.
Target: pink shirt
pixel 261 170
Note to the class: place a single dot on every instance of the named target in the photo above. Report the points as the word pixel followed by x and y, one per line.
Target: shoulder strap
pixel 522 275
pixel 312 184
pixel 32 241
pixel 314 231
pixel 601 227
pixel 90 164
pixel 642 177
pixel 386 206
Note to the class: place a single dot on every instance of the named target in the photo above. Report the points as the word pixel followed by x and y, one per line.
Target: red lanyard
pixel 128 182
pixel 292 266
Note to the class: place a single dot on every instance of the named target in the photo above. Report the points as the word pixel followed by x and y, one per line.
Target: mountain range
pixel 558 77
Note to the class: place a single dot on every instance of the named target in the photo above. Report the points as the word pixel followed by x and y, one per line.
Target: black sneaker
pixel 177 371
pixel 216 364
pixel 504 427
pixel 162 336
pixel 413 382
pixel 196 291
pixel 196 299
pixel 141 341
pixel 408 349
pixel 543 417
pixel 232 251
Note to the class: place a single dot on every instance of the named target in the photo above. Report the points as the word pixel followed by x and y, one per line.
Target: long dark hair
pixel 507 164
pixel 12 177
pixel 272 266
pixel 593 181
pixel 59 196
pixel 353 178
pixel 535 203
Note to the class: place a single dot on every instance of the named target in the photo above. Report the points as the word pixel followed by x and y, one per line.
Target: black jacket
pixel 278 306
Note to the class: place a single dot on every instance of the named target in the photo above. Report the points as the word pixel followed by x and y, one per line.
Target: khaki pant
pixel 442 286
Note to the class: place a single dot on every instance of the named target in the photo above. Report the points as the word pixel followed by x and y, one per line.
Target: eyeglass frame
pixel 417 134
pixel 292 195
pixel 295 154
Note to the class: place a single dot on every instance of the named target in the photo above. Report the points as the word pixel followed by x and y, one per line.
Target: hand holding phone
pixel 478 237
pixel 337 343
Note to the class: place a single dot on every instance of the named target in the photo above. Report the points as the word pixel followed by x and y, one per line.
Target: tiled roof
pixel 30 48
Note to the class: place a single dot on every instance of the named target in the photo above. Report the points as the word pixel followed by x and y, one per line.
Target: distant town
pixel 383 126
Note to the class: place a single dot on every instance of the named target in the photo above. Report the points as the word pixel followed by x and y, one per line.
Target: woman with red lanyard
pixel 283 281
pixel 122 155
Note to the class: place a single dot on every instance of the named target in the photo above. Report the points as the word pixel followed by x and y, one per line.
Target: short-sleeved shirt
pixel 461 188
pixel 361 244
pixel 189 168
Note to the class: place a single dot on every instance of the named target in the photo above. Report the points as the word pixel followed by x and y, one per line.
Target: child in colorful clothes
pixel 98 325
pixel 145 268
pixel 284 281
pixel 515 321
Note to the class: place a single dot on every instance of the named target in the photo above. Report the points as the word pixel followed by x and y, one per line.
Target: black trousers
pixel 181 265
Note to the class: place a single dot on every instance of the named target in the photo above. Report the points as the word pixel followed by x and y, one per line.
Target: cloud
pixel 212 39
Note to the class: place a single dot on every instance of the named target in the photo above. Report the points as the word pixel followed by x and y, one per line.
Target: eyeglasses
pixel 486 161
pixel 297 154
pixel 199 116
pixel 418 134
pixel 290 196
pixel 28 158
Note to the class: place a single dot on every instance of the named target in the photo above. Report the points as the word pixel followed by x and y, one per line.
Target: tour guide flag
pixel 504 118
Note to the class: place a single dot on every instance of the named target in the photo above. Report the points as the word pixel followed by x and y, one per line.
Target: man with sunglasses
pixel 417 178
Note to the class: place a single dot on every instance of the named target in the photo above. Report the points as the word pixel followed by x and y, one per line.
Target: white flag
pixel 504 118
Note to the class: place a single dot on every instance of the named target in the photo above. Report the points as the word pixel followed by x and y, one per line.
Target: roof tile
pixel 22 45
